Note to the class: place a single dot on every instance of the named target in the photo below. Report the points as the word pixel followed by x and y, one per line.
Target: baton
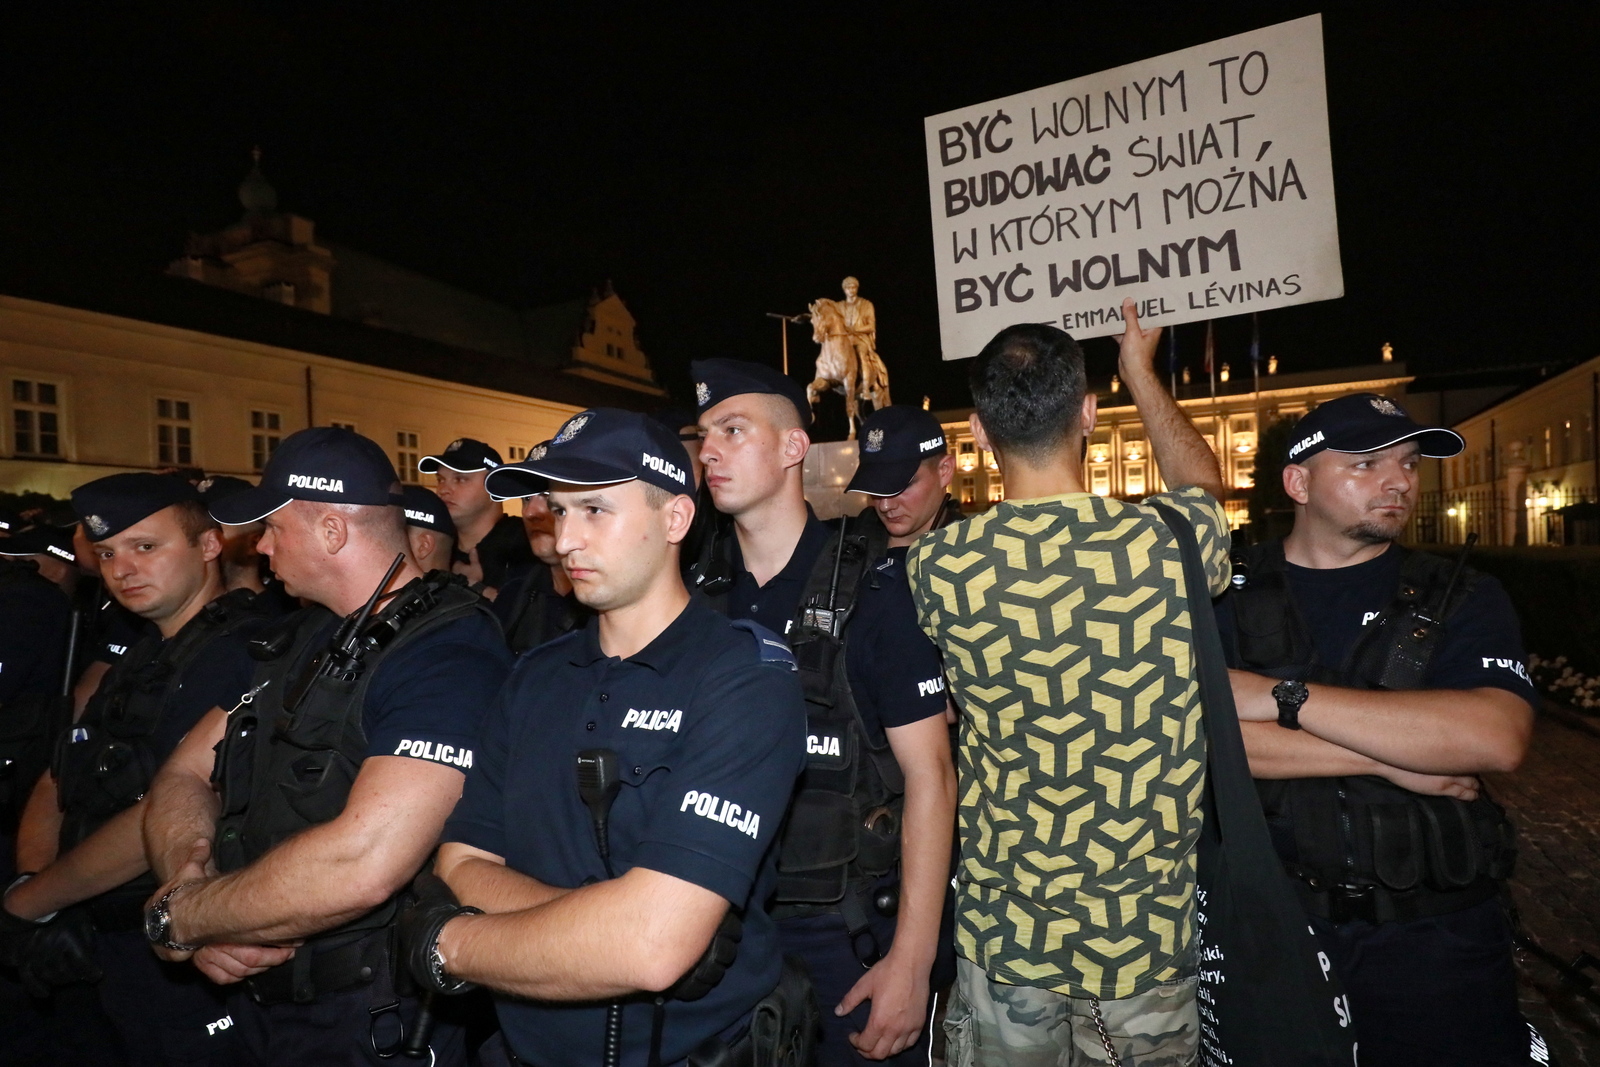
pixel 416 1043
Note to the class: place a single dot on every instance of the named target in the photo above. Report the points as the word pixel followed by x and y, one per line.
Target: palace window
pixel 35 418
pixel 174 433
pixel 1133 479
pixel 406 454
pixel 266 433
pixel 344 426
pixel 1244 472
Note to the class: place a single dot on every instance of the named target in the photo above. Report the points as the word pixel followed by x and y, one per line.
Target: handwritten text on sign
pixel 1198 183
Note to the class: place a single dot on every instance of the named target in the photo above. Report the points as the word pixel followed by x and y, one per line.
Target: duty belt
pixel 1375 904
pixel 313 972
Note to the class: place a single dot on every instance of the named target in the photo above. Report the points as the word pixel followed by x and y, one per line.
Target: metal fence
pixel 1558 515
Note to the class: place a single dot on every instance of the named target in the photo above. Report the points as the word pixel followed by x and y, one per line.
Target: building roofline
pixel 189 305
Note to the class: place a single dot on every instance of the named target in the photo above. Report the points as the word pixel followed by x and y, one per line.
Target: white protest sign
pixel 1198 183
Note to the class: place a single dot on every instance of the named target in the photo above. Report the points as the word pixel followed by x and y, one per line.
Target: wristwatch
pixel 1290 695
pixel 436 964
pixel 158 920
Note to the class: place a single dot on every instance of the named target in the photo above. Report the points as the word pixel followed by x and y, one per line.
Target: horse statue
pixel 843 365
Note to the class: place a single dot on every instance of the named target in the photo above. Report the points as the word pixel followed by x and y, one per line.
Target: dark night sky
pixel 721 165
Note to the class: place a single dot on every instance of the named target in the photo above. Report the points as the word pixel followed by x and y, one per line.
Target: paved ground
pixel 1554 798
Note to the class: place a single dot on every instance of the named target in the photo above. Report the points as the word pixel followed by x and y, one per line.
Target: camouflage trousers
pixel 991 1024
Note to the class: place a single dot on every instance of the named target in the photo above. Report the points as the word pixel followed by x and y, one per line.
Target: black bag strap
pixel 1228 782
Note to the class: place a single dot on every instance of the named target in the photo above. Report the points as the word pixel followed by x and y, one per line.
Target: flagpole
pixel 1255 374
pixel 1211 368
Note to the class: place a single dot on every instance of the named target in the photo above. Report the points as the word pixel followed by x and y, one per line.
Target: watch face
pixel 155 924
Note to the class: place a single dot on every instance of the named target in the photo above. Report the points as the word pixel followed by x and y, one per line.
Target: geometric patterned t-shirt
pixel 1064 625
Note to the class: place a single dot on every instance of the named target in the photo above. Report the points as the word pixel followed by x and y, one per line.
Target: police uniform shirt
pixel 33 635
pixel 1482 642
pixel 427 701
pixel 895 672
pixel 709 724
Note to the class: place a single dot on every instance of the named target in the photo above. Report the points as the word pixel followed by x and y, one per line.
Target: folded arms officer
pixel 865 864
pixel 490 546
pixel 1381 682
pixel 159 553
pixel 606 880
pixel 334 780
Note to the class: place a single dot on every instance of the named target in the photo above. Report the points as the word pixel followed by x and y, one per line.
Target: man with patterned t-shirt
pixel 1064 623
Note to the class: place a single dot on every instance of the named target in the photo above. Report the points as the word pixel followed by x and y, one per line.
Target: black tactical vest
pixel 842 830
pixel 105 763
pixel 292 752
pixel 1361 846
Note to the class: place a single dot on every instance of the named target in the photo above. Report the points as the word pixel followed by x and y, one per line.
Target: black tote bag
pixel 1268 996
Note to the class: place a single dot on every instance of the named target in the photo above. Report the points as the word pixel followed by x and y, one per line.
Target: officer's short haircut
pixel 1028 386
pixel 781 411
pixel 194 520
pixel 658 497
pixel 386 525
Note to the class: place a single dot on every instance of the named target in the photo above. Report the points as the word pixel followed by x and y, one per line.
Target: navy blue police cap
pixel 425 510
pixel 715 380
pixel 41 540
pixel 893 443
pixel 325 463
pixel 109 505
pixel 464 455
pixel 600 446
pixel 1367 422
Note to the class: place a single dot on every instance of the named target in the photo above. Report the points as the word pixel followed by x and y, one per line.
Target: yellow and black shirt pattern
pixel 1065 630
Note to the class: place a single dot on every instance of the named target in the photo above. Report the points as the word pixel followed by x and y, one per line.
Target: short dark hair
pixel 194 519
pixel 1028 385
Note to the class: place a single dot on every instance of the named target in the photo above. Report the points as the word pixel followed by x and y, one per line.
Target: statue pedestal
pixel 828 469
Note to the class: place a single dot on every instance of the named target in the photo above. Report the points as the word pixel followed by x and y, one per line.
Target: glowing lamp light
pixel 1451 511
pixel 1544 502
pixel 968 462
pixel 1224 374
pixel 1527 501
pixel 1102 490
pixel 990 462
pixel 1116 384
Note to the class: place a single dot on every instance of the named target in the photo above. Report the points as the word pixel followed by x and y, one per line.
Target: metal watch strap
pixel 436 958
pixel 164 914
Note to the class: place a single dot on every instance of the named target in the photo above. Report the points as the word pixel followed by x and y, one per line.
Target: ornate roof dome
pixel 255 192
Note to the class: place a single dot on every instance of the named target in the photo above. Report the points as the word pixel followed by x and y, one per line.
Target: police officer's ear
pixel 796 443
pixel 332 530
pixel 947 470
pixel 210 543
pixel 1297 482
pixel 680 517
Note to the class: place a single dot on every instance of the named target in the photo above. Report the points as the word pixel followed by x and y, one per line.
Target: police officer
pixel 1378 684
pixel 865 864
pixel 33 648
pixel 490 545
pixel 905 470
pixel 334 778
pixel 158 552
pixel 539 603
pixel 429 529
pixel 629 785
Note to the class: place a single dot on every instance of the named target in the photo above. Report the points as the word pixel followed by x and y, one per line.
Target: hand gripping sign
pixel 1198 183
